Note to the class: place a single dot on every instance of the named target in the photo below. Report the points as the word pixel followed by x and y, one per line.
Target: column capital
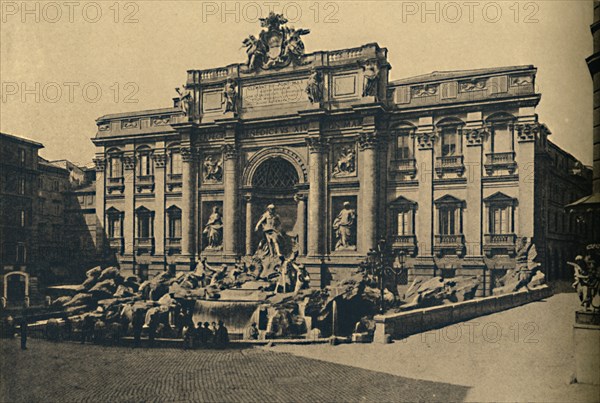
pixel 317 144
pixel 527 132
pixel 475 136
pixel 367 141
pixel 99 164
pixel 248 198
pixel 160 160
pixel 230 151
pixel 298 197
pixel 187 154
pixel 425 140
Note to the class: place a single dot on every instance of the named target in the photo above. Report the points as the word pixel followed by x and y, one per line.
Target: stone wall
pixel 403 324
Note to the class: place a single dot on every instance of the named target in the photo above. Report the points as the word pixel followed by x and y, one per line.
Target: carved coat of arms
pixel 276 46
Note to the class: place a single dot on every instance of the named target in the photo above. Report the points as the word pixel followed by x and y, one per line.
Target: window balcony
pixel 452 244
pixel 144 245
pixel 404 167
pixel 499 244
pixel 407 243
pixel 144 182
pixel 116 244
pixel 497 161
pixel 450 163
pixel 174 182
pixel 115 184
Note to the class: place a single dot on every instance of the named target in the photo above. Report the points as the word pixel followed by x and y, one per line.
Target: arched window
pixel 449 132
pixel 174 218
pixel 115 166
pixel 275 174
pixel 404 142
pixel 145 166
pixel 501 133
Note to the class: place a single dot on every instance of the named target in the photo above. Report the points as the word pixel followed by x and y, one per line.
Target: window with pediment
pixel 144 223
pixel 449 210
pixel 500 213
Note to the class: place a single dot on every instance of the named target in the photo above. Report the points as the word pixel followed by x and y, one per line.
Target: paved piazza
pixel 534 365
pixel 66 372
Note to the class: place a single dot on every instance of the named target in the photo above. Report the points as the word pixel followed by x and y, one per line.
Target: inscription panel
pixel 275 130
pixel 345 86
pixel 284 92
pixel 212 101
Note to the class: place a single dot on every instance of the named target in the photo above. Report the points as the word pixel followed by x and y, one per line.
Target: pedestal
pixel 586 338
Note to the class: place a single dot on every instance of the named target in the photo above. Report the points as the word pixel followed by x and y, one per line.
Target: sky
pixel 63 64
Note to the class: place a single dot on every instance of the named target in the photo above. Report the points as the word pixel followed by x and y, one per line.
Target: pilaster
pixel 424 160
pixel 475 135
pixel 128 160
pixel 526 134
pixel 160 225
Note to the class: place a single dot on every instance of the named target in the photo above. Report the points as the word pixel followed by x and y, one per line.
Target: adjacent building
pixel 19 176
pixel 47 220
pixel 452 168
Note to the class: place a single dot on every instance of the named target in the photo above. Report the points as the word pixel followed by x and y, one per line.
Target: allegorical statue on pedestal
pixel 587 281
pixel 314 87
pixel 270 223
pixel 230 96
pixel 371 78
pixel 344 226
pixel 214 229
pixel 185 99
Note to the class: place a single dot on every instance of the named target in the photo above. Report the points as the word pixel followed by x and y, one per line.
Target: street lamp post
pixel 377 264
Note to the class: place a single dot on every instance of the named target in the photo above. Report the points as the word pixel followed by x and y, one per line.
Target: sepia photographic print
pixel 299 201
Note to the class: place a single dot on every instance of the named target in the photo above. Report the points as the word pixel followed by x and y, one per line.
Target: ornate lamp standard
pixel 378 263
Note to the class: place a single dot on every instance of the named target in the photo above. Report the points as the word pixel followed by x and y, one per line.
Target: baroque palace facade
pixel 445 166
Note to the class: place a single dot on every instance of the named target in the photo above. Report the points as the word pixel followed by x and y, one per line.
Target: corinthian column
pixel 230 200
pixel 317 148
pixel 188 202
pixel 301 222
pixel 249 226
pixel 368 192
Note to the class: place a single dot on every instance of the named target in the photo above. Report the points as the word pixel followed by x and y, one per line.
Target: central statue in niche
pixel 270 223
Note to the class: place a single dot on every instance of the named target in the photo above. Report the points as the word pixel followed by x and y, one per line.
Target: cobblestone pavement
pixel 65 372
pixel 523 354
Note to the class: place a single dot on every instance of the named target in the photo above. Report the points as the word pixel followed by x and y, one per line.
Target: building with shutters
pixel 449 167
